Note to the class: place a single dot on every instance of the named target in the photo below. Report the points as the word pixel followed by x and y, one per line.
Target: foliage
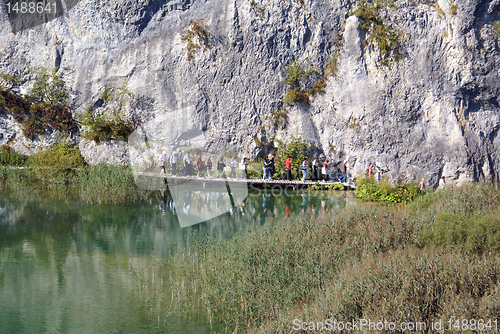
pixel 386 37
pixel 295 95
pixel 48 88
pixel 333 186
pixel 9 157
pixel 112 123
pixel 331 65
pixel 496 27
pixel 109 184
pixel 301 86
pixel 252 281
pixel 453 9
pixel 44 107
pixel 195 36
pixel 467 217
pixel 57 162
pixel 61 156
pixel 318 88
pixel 296 74
pixel 297 147
pixel 367 188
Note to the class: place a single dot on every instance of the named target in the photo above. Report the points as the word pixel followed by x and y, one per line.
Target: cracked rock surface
pixel 434 112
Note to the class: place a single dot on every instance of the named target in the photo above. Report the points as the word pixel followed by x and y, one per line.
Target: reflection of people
pixel 185 208
pixel 287 210
pixel 172 205
pixel 304 203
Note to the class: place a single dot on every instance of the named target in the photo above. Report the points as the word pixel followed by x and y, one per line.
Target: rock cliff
pixel 435 111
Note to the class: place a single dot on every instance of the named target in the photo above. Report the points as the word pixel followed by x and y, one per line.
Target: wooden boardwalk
pixel 257 183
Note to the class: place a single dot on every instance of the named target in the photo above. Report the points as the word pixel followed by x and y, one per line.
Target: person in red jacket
pixel 288 168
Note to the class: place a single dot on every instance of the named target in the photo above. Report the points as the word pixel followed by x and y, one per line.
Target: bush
pixel 9 157
pixel 57 162
pixel 387 39
pixel 44 107
pixel 367 188
pixel 297 147
pixel 112 123
pixel 295 96
pixel 195 36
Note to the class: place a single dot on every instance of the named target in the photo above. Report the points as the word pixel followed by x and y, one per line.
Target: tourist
pixel 288 168
pixel 243 167
pixel 208 165
pixel 370 170
pixel 187 164
pixel 442 182
pixel 314 169
pixel 233 166
pixel 272 168
pixel 199 165
pixel 220 166
pixel 304 166
pixel 265 166
pixel 324 170
pixel 163 161
pixel 173 163
pixel 377 177
pixel 422 184
pixel 343 169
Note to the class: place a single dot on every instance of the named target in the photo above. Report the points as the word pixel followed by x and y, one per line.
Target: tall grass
pixel 379 263
pixel 101 184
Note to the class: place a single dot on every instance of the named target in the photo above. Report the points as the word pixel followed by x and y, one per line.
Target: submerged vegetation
pixel 378 263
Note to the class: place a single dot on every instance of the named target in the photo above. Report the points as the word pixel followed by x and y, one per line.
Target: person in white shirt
pixel 173 163
pixel 233 166
pixel 163 161
pixel 442 182
pixel 187 165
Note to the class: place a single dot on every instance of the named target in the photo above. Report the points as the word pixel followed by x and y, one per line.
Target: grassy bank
pixel 101 184
pixel 408 263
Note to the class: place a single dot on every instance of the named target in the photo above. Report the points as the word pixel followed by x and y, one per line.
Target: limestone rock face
pixel 434 112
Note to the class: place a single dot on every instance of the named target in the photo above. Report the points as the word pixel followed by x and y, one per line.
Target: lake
pixel 69 267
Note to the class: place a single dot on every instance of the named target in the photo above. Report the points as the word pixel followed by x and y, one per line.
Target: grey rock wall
pixel 435 112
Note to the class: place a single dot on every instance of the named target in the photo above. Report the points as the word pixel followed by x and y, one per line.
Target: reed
pixel 365 262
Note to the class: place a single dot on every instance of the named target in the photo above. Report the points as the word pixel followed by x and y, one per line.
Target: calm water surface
pixel 67 267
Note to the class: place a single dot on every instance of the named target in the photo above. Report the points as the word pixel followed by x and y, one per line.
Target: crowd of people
pixel 202 167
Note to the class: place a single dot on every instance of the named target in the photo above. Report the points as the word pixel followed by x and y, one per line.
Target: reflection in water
pixel 71 268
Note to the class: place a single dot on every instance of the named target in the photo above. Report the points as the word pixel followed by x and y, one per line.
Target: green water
pixel 66 267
